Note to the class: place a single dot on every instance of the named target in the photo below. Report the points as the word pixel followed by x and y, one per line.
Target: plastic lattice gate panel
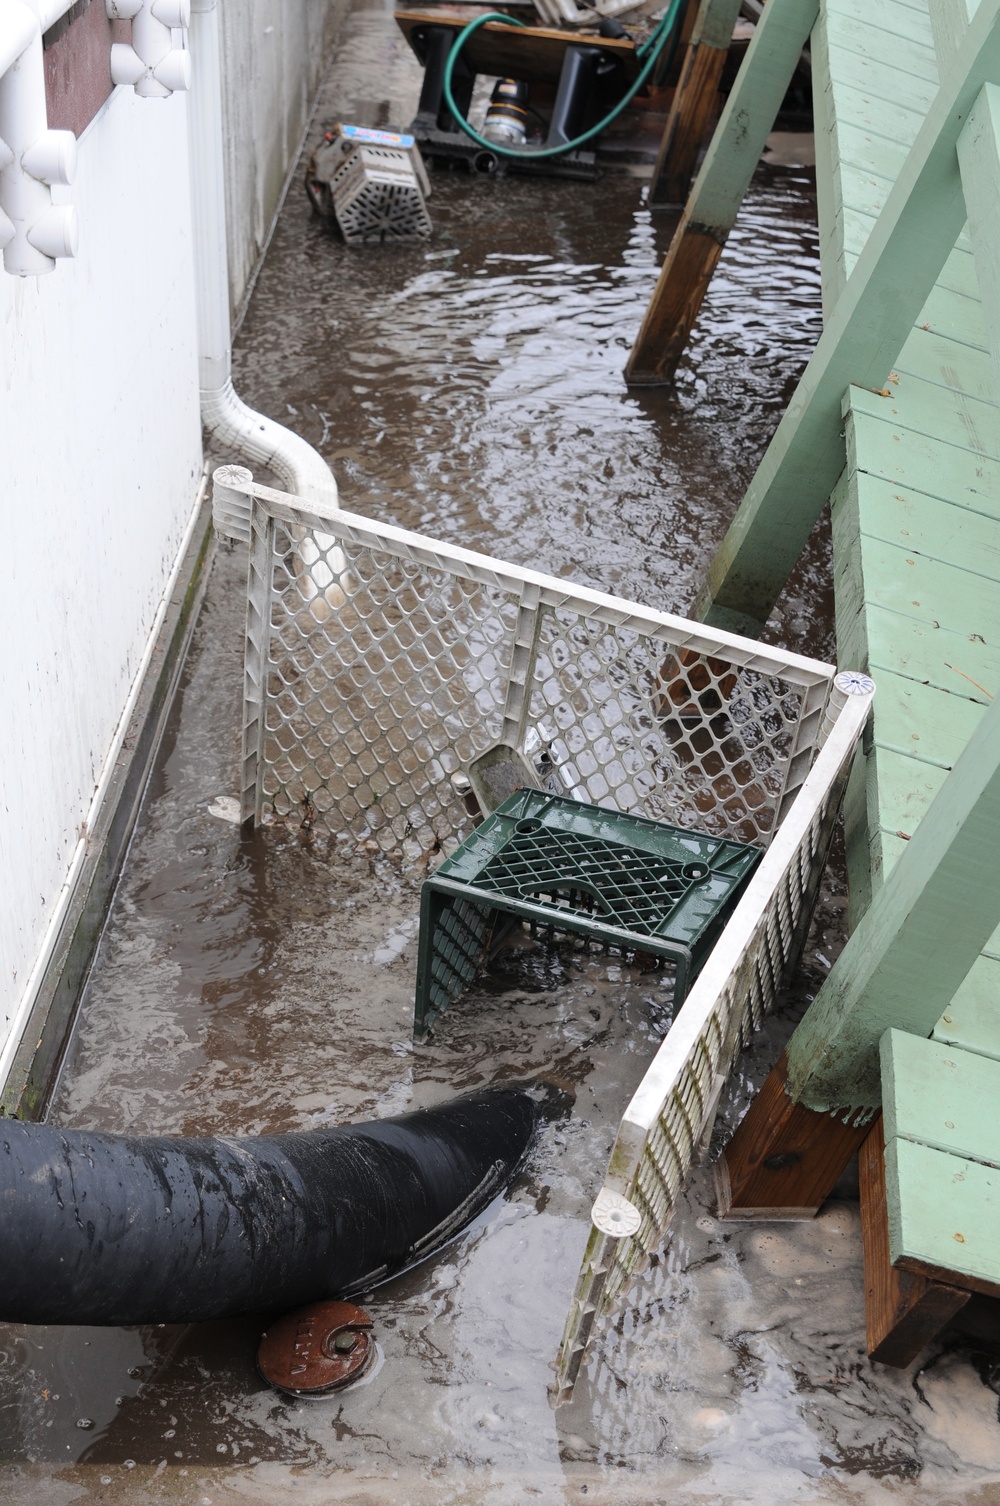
pixel 612 878
pixel 380 665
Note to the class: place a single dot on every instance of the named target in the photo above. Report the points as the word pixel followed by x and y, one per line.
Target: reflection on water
pixel 472 388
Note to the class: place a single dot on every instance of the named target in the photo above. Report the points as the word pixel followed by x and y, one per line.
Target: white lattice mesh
pixel 684 738
pixel 674 1107
pixel 387 670
pixel 380 688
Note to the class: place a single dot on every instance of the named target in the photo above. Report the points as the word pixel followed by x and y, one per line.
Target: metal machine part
pixel 371 183
pixel 507 116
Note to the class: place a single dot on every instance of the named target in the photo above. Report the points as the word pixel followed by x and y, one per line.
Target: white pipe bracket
pixel 33 231
pixel 54 233
pixel 52 158
pixel 151 64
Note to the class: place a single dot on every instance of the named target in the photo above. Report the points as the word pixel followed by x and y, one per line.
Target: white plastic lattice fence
pixel 380 664
pixel 672 1111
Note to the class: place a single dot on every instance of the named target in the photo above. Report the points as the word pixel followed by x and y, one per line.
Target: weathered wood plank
pixel 940 1096
pixel 783 1158
pixel 863 337
pixel 903 1311
pixel 719 188
pixel 944 1216
pixel 694 102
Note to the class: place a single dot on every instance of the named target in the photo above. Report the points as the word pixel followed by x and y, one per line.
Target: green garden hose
pixel 649 51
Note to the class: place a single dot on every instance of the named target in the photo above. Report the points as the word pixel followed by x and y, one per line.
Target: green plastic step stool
pixel 621 880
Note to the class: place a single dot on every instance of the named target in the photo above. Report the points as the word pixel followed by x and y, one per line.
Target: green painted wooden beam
pixel 694 102
pixel 718 191
pixel 949 22
pixel 749 113
pixel 979 164
pixel 906 249
pixel 915 944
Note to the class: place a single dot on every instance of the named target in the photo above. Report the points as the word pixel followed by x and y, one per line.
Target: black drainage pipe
pixel 115 1229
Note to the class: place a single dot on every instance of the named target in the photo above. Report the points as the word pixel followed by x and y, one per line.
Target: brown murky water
pixel 472 389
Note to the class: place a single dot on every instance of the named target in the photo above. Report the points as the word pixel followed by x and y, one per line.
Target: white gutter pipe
pixel 231 424
pixel 33 230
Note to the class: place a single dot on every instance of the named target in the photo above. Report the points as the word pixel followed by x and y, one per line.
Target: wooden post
pixel 725 175
pixel 979 164
pixel 694 101
pixel 903 1311
pixel 915 232
pixel 949 22
pixel 913 947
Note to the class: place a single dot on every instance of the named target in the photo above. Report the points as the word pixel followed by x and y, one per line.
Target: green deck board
pixel 957 420
pixel 861 109
pixel 886 16
pixel 866 152
pixel 925 723
pixel 944 1211
pixel 905 789
pixel 972 1019
pixel 881 448
pixel 939 356
pixel 879 79
pixel 930 528
pixel 916 650
pixel 912 61
pixel 938 1095
pixel 956 273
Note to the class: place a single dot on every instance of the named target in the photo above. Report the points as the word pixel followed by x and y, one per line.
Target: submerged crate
pixel 622 880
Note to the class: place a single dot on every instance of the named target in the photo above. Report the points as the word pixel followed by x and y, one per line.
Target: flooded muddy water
pixel 472 389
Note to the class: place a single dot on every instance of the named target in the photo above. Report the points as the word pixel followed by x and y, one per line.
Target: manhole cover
pixel 318 1348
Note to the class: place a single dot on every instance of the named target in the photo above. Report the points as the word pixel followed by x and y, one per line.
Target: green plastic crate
pixel 624 881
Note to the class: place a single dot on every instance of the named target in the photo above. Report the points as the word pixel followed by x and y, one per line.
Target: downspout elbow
pixel 235 427
pixel 231 424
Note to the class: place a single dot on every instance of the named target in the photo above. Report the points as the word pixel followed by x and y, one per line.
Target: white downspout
pixel 231 424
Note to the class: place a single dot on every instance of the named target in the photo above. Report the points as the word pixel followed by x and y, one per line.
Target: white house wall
pixel 273 52
pixel 100 448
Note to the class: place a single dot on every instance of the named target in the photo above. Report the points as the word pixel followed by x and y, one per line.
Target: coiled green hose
pixel 649 51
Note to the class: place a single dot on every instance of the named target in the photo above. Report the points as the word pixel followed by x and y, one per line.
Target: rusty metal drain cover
pixel 317 1349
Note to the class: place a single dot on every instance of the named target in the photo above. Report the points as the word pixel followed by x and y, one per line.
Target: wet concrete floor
pixel 472 389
